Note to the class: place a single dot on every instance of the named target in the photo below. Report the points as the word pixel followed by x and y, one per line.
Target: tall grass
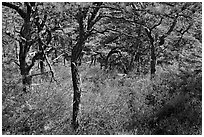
pixel 110 104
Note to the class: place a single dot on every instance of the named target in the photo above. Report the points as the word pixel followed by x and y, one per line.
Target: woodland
pixel 101 68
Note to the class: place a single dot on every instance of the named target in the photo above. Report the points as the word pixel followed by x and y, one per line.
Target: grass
pixel 110 105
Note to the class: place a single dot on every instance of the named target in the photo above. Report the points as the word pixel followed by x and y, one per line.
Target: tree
pixel 25 41
pixel 87 15
pixel 33 37
pixel 153 24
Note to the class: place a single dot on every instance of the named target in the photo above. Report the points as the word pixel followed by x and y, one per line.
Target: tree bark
pixel 84 33
pixel 153 61
pixel 24 69
pixel 76 83
pixel 24 43
pixel 77 94
pixel 75 62
pixel 152 53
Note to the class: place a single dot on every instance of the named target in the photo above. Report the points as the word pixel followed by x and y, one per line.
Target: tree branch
pixel 119 18
pixel 48 62
pixel 161 39
pixel 29 8
pixel 55 59
pixel 126 34
pixel 157 24
pixel 94 18
pixel 12 6
pixel 32 75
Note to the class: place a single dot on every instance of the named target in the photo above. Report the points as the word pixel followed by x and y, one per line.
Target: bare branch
pixel 161 39
pixel 12 36
pixel 36 57
pixel 15 61
pixel 172 26
pixel 157 24
pixel 39 74
pixel 189 26
pixel 123 33
pixel 29 8
pixel 47 60
pixel 109 7
pixel 93 18
pixel 50 66
pixel 119 18
pixel 100 32
pixel 12 6
pixel 58 57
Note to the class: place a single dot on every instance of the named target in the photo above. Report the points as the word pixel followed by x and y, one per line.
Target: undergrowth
pixel 110 104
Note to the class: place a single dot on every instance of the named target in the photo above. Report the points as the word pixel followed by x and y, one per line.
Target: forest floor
pixel 111 104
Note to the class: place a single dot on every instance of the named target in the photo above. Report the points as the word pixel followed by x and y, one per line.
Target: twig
pixel 50 66
pixel 48 62
pixel 38 74
pixel 58 57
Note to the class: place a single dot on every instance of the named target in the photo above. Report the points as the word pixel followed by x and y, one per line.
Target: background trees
pixel 135 39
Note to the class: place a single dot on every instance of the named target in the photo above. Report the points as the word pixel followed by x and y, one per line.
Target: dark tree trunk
pixel 55 53
pixel 84 33
pixel 42 58
pixel 153 61
pixel 42 68
pixel 55 56
pixel 64 61
pixel 24 71
pixel 75 58
pixel 152 53
pixel 26 40
pixel 24 43
pixel 24 48
pixel 77 94
pixel 75 62
pixel 131 65
pixel 24 68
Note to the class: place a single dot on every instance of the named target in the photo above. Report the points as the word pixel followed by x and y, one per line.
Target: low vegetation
pixel 110 105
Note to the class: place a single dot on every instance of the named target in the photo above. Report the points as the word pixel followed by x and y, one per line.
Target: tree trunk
pixel 24 48
pixel 75 61
pixel 24 71
pixel 77 54
pixel 153 61
pixel 77 94
pixel 152 53
pixel 25 41
pixel 131 65
pixel 42 68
